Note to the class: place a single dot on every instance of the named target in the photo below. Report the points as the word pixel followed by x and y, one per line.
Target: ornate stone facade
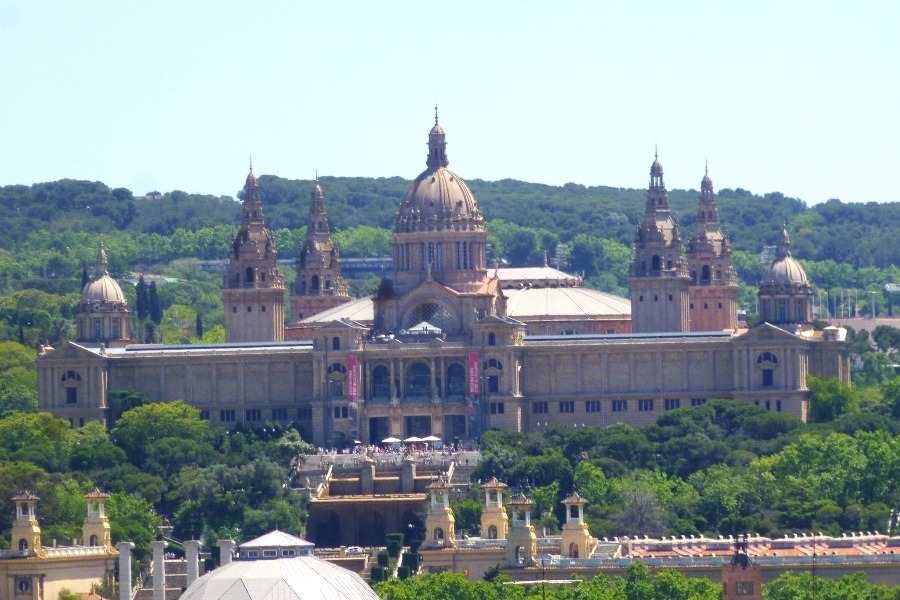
pixel 441 355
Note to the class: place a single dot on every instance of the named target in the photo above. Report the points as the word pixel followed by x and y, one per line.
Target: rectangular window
pixel 253 414
pixel 253 554
pixel 204 415
pixel 287 553
pixel 498 408
pixel 227 416
pixel 340 412
pixel 698 401
pixel 279 414
pixel 270 553
pixel 567 407
pixel 768 376
pixel 620 405
pixel 539 408
pixel 114 329
pixel 304 413
pixel 672 403
pixel 778 405
pixel 592 406
pixel 645 405
pixel 71 395
pixel 744 588
pixel 98 329
pixel 493 384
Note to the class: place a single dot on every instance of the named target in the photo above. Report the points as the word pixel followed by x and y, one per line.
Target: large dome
pixel 298 578
pixel 438 199
pixel 102 289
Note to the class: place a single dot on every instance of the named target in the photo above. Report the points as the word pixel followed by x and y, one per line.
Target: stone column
pixel 226 551
pixel 124 549
pixel 192 557
pixel 159 570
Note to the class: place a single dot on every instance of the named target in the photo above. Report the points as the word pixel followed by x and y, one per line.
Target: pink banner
pixel 352 379
pixel 474 377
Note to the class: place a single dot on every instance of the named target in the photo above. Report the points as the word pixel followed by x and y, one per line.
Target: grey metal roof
pixel 577 302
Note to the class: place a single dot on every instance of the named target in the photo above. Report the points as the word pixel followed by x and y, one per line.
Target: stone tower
pixel 95 530
pixel 102 316
pixel 439 521
pixel 319 283
pixel 659 279
pixel 26 533
pixel 714 285
pixel 576 538
pixel 494 520
pixel 521 548
pixel 253 292
pixel 785 295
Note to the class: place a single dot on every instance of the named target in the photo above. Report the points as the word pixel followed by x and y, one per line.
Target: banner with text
pixel 352 378
pixel 474 376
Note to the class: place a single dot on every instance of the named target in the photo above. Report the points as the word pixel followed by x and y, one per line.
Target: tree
pixel 154 308
pixel 891 393
pixel 199 326
pixel 829 398
pixel 142 303
pixel 138 428
pixel 38 438
pixel 133 520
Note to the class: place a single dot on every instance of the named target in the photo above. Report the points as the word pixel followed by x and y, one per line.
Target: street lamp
pixel 873 306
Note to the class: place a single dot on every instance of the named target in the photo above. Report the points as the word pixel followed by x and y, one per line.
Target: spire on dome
pixel 437 146
pixel 784 246
pixel 102 264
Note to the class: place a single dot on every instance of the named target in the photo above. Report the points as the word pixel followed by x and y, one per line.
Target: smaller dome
pixel 436 130
pixel 251 179
pixel 706 183
pixel 102 289
pixel 786 271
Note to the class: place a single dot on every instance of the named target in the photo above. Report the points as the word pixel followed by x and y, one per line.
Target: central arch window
pixel 337 373
pixel 433 313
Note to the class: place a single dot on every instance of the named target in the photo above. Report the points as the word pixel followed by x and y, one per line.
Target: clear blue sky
pixel 796 97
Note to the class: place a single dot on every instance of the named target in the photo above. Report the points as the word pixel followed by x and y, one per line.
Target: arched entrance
pixel 326 530
pixel 371 528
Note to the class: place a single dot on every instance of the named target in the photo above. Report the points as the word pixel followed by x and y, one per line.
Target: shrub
pixel 383 558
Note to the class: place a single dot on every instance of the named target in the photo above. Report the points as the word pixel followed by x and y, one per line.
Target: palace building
pixel 451 346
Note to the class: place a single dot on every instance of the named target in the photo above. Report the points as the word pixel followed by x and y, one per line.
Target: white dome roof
pixel 299 578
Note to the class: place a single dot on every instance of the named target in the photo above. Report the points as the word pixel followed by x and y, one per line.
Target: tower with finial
pixel 659 272
pixel 253 289
pixel 494 520
pixel 439 521
pixel 102 316
pixel 576 539
pixel 521 547
pixel 95 530
pixel 714 285
pixel 26 532
pixel 319 285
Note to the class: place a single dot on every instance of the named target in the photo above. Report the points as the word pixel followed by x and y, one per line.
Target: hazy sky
pixel 796 97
